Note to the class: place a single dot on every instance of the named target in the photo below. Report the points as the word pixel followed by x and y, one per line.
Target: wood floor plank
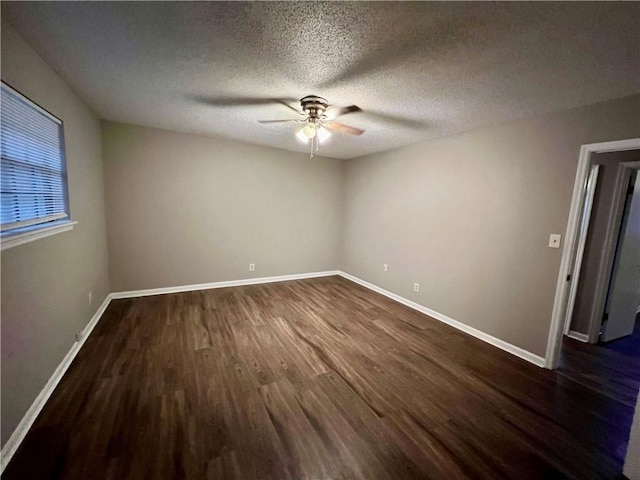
pixel 320 378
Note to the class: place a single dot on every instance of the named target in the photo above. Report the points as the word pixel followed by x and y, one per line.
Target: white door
pixel 624 291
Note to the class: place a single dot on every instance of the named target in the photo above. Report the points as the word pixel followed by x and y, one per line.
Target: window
pixel 34 178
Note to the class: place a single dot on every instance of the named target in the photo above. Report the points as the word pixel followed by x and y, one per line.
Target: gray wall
pixel 469 217
pixel 185 209
pixel 45 283
pixel 584 305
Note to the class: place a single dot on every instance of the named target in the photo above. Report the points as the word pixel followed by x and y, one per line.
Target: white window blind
pixel 34 183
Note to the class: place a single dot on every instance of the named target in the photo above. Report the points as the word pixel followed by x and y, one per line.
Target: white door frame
pixel 554 342
pixel 589 195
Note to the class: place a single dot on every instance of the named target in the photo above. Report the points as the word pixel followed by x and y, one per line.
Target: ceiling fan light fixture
pixel 309 130
pixel 323 134
pixel 300 135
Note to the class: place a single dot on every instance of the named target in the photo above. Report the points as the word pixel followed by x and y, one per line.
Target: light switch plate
pixel 554 240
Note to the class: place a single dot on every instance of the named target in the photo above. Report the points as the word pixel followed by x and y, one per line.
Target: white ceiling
pixel 442 67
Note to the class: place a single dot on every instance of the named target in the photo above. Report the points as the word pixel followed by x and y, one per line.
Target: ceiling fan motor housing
pixel 314 106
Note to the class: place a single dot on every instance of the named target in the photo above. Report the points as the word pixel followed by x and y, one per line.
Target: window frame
pixel 36 228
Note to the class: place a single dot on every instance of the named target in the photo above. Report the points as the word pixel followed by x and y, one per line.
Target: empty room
pixel 320 240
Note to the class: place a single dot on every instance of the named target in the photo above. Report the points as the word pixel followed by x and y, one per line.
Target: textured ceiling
pixel 418 70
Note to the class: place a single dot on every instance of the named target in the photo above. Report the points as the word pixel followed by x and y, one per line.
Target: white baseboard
pixel 38 404
pixel 581 337
pixel 230 283
pixel 496 342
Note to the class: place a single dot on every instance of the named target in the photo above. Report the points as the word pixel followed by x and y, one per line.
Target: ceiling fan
pixel 317 118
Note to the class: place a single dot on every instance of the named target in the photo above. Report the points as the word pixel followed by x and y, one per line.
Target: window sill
pixel 13 240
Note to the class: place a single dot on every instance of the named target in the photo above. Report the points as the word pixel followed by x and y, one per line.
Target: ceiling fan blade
pixel 342 128
pixel 279 121
pixel 335 112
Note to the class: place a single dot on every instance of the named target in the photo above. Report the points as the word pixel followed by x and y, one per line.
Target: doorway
pixel 577 228
pixel 605 283
pixel 598 294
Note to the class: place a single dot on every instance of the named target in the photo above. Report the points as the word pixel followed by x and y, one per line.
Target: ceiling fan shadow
pixel 240 101
pixel 414 123
pixel 433 40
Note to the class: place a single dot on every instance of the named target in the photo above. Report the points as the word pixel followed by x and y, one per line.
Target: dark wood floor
pixel 611 369
pixel 312 379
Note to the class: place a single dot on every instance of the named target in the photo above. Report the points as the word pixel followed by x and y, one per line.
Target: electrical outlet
pixel 385 267
pixel 252 267
pixel 90 298
pixel 79 335
pixel 416 287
